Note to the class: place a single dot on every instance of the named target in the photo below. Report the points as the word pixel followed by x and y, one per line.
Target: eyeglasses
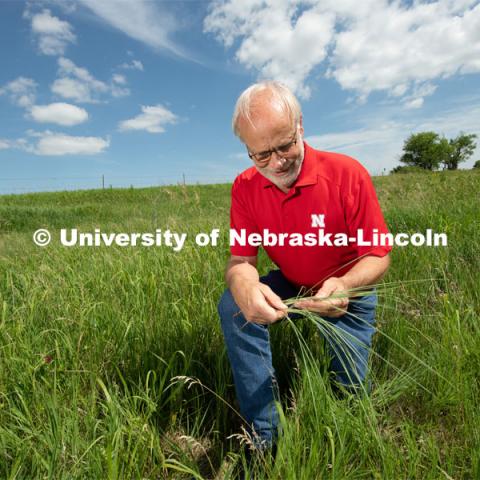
pixel 263 158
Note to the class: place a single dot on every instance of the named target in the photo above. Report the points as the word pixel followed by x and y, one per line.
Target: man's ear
pixel 300 123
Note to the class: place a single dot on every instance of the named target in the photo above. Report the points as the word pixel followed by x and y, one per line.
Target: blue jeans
pixel 248 349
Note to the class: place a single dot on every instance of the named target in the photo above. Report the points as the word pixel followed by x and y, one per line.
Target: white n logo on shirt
pixel 318 220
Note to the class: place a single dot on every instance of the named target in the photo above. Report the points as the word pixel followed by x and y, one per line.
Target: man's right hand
pixel 259 303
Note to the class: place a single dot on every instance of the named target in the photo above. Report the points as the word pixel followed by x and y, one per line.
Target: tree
pixel 426 150
pixel 461 148
pixel 476 164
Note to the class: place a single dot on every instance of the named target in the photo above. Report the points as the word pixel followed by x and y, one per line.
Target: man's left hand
pixel 328 307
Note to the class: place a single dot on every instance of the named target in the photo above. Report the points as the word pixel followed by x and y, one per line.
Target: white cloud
pixel 375 146
pixel 373 45
pixel 67 67
pixel 50 143
pixel 4 144
pixel 19 143
pixel 119 91
pixel 153 119
pixel 120 79
pixel 21 91
pixel 133 65
pixel 53 34
pixel 416 98
pixel 273 43
pixel 144 20
pixel 78 84
pixel 393 44
pixel 72 89
pixel 414 103
pixel 56 144
pixel 118 87
pixel 378 143
pixel 59 113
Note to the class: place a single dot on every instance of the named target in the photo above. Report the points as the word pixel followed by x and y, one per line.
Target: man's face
pixel 274 129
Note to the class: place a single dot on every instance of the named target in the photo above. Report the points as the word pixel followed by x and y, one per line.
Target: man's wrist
pixel 366 272
pixel 348 282
pixel 241 274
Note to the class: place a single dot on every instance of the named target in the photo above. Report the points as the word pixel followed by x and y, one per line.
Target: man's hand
pixel 257 301
pixel 368 271
pixel 259 304
pixel 333 307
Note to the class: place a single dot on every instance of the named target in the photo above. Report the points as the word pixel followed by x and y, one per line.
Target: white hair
pixel 280 94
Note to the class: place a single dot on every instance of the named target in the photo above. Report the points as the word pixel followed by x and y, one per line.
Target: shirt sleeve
pixel 364 214
pixel 240 219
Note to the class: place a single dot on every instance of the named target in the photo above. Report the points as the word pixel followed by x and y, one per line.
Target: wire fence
pixel 19 185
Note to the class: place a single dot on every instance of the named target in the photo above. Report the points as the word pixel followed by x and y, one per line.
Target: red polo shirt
pixel 333 193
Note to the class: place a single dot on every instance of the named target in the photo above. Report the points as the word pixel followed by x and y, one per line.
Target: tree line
pixel 430 151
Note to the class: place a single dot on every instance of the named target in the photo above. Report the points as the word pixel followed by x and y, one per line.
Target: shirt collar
pixel 307 175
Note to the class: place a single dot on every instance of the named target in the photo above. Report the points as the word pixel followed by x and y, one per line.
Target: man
pixel 294 188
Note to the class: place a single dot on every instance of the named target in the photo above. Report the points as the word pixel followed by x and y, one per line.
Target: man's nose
pixel 277 157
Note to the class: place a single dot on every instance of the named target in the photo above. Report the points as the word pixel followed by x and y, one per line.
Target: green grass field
pixel 91 340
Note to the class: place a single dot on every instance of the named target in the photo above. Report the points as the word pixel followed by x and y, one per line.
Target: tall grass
pixel 92 338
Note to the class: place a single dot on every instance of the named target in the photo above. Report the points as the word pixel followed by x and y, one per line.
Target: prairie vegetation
pixel 112 362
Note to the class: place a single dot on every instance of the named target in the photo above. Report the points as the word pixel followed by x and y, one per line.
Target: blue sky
pixel 142 91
